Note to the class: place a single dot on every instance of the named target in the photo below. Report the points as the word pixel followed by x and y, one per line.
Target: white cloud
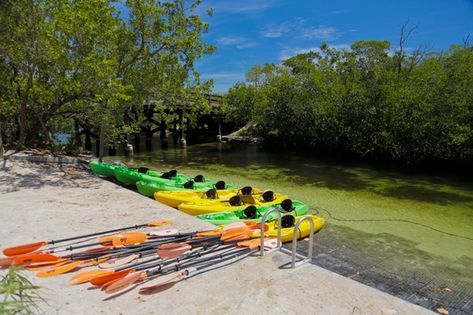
pixel 275 31
pixel 289 52
pixel 320 32
pixel 236 6
pixel 236 41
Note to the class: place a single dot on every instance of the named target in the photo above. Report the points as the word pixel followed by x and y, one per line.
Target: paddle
pixel 28 248
pixel 227 236
pixel 134 277
pixel 164 282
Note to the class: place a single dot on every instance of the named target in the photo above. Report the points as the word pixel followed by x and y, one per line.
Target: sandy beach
pixel 43 201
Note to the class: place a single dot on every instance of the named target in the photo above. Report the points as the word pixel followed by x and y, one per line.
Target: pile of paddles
pixel 213 201
pixel 153 258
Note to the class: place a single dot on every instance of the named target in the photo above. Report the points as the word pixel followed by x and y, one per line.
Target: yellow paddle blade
pixel 33 258
pixel 129 238
pixel 23 249
pixel 59 270
pixel 86 276
pixel 101 280
pixel 125 282
pixel 160 223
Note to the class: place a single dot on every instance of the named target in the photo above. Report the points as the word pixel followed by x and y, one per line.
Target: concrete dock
pixel 44 201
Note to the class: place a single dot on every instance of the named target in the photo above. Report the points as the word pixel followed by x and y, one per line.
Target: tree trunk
pixel 102 138
pixel 1 142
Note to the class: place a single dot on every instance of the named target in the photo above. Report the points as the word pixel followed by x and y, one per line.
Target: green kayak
pixel 129 176
pixel 148 185
pixel 255 214
pixel 103 168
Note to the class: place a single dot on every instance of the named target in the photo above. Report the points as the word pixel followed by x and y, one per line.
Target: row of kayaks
pixel 213 201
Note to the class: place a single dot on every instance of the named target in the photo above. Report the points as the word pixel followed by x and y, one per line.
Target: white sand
pixel 40 202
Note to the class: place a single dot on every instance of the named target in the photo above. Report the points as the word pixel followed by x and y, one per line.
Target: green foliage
pixel 85 61
pixel 19 295
pixel 365 101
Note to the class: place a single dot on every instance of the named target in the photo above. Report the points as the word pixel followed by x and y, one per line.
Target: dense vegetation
pixel 368 100
pixel 89 62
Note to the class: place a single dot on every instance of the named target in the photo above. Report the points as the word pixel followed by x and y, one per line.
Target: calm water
pixel 436 213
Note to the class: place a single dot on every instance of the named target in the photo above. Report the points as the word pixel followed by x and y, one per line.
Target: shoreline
pixel 43 201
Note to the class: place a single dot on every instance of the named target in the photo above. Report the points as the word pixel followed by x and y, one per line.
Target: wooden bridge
pixel 153 124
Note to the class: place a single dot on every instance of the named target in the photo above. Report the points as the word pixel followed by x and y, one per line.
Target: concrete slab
pixel 39 201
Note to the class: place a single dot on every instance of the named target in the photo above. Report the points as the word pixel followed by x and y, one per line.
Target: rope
pixel 390 220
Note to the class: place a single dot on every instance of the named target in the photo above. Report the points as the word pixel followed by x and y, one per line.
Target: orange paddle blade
pixel 101 280
pixel 236 234
pixel 6 262
pixel 160 223
pixel 210 233
pixel 59 270
pixel 47 264
pixel 94 262
pixel 33 258
pixel 125 282
pixel 254 243
pixel 172 250
pixel 88 275
pixel 23 249
pixel 129 238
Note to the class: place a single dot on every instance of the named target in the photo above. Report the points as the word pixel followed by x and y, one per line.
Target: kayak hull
pixel 287 233
pixel 149 188
pixel 210 206
pixel 228 217
pixel 175 198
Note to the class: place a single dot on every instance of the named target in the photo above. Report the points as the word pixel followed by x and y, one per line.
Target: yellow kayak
pixel 288 227
pixel 236 202
pixel 175 198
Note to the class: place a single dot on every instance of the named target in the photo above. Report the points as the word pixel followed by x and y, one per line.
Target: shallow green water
pixel 433 212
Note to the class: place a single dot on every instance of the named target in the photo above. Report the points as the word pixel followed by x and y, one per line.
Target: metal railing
pixel 263 221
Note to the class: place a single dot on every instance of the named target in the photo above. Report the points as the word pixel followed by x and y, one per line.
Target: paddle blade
pixel 84 277
pixel 23 249
pixel 254 243
pixel 59 270
pixel 33 258
pixel 101 280
pixel 163 281
pixel 129 238
pixel 234 225
pixel 165 232
pixel 125 282
pixel 160 223
pixel 6 262
pixel 210 233
pixel 47 264
pixel 172 250
pixel 236 234
pixel 118 262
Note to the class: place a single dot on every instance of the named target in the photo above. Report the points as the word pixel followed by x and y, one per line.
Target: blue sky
pixel 250 32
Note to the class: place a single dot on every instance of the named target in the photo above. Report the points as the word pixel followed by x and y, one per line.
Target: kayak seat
pixel 268 195
pixel 287 221
pixel 286 205
pixel 220 185
pixel 235 201
pixel 211 193
pixel 143 170
pixel 250 212
pixel 172 173
pixel 246 190
pixel 199 179
pixel 166 175
pixel 189 184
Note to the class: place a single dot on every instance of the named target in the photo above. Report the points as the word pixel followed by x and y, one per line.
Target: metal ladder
pixel 302 259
